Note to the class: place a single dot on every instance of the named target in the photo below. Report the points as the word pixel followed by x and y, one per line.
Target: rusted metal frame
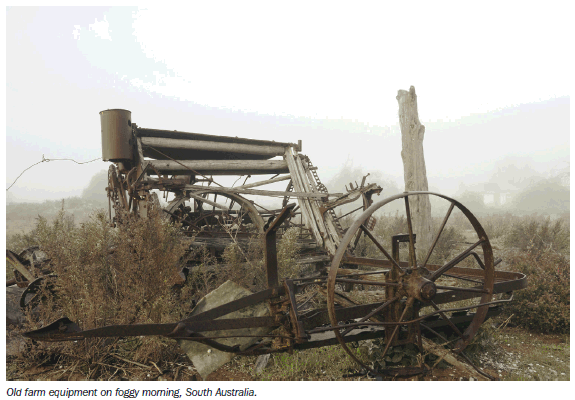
pixel 438 234
pixel 367 282
pixel 234 323
pixel 351 212
pixel 346 198
pixel 161 133
pixel 119 189
pixel 412 255
pixel 380 247
pixel 211 146
pixel 460 289
pixel 261 183
pixel 364 273
pixel 408 306
pixel 461 354
pixel 11 282
pixel 412 321
pixel 331 234
pixel 300 306
pixel 372 262
pixel 195 172
pixel 307 210
pixel 372 313
pixel 365 335
pixel 307 213
pixel 12 258
pixel 238 304
pixel 205 200
pixel 395 240
pixel 456 260
pixel 271 259
pixel 313 320
pixel 139 153
pixel 297 325
pixel 289 188
pixel 367 201
pixel 505 281
pixel 64 329
pixel 460 319
pixel 463 279
pixel 442 314
pixel 255 192
pixel 498 287
pixel 182 220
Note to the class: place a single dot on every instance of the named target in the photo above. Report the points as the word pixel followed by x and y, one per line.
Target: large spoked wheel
pixel 406 295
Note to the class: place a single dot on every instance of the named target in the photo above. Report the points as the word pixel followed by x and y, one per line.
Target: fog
pixel 505 124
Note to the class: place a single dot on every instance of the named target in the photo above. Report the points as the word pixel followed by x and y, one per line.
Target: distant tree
pixel 354 174
pixel 516 171
pixel 96 189
pixel 545 196
pixel 473 201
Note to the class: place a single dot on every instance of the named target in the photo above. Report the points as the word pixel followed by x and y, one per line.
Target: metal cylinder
pixel 117 142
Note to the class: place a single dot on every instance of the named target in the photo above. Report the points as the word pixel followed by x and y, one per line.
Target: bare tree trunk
pixel 414 169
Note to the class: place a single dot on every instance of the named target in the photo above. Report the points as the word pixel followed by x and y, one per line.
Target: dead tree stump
pixel 414 172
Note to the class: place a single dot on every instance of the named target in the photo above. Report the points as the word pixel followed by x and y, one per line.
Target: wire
pixel 50 159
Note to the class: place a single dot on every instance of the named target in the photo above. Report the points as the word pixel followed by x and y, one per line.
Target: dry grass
pixel 108 276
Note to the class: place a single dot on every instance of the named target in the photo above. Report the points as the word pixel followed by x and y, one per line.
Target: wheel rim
pixel 218 217
pixel 420 287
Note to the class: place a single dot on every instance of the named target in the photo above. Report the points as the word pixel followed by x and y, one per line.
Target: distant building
pixel 495 195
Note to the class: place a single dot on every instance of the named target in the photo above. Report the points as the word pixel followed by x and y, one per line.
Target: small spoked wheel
pixel 411 292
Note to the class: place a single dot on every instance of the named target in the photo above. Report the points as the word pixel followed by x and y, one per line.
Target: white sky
pixel 202 68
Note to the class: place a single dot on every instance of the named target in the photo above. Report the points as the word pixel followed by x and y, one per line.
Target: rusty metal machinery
pixel 393 297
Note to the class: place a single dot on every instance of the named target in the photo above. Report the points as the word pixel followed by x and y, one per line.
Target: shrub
pixel 544 196
pixel 108 276
pixel 288 251
pixel 539 235
pixel 447 242
pixel 544 305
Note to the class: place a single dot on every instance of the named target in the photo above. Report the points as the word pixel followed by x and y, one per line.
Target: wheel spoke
pixel 366 282
pixel 455 261
pixel 442 314
pixel 380 247
pixel 408 305
pixel 412 256
pixel 399 318
pixel 438 234
pixel 372 313
pixel 463 279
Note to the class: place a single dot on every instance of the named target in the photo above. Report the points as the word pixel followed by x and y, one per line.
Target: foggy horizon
pixel 336 93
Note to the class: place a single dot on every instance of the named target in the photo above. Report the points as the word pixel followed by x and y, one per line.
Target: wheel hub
pixel 416 286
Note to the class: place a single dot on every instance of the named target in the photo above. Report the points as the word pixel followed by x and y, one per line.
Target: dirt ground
pixel 514 355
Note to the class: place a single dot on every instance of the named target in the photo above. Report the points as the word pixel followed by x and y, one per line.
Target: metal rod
pixel 372 283
pixel 460 289
pixel 455 261
pixel 438 233
pixel 380 247
pixel 408 305
pixel 412 256
pixel 372 313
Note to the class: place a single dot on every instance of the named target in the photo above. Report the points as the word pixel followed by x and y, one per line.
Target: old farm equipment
pixel 393 297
